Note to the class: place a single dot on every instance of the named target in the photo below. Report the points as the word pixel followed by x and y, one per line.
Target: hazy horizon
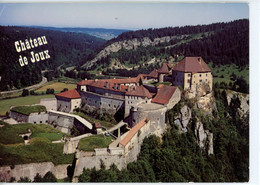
pixel 128 16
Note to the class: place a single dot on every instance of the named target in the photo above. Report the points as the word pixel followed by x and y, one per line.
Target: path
pixel 44 80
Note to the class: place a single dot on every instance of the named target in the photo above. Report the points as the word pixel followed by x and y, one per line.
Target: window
pixel 114 106
pixel 188 80
pixel 206 74
pixel 109 105
pixel 200 75
pixel 189 75
pixel 200 80
pixel 40 121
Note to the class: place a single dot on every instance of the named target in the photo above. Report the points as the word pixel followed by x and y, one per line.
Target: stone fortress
pixel 143 107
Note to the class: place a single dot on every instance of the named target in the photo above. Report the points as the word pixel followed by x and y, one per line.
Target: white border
pixel 254 75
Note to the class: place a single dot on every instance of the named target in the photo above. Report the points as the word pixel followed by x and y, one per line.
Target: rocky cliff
pixel 204 137
pixel 239 102
pixel 128 45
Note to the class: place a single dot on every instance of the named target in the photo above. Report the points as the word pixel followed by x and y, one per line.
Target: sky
pixel 120 15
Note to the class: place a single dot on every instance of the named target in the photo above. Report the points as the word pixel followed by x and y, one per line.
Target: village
pixel 139 107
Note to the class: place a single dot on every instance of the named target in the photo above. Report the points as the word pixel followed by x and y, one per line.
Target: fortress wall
pixel 62 123
pixel 90 161
pixel 133 148
pixel 30 171
pixel 38 118
pixel 49 103
pixel 104 103
pixel 63 105
pixel 157 118
pixel 18 117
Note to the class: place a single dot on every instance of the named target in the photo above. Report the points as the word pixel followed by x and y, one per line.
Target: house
pixel 163 72
pixel 167 95
pixel 191 72
pixel 67 101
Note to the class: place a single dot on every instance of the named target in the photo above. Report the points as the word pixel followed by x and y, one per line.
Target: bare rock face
pixel 206 103
pixel 239 101
pixel 182 120
pixel 128 45
pixel 204 137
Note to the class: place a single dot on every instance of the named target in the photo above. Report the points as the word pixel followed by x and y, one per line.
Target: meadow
pixel 27 100
pixel 41 149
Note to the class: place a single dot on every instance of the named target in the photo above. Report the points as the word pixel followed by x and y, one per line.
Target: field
pixel 57 86
pixel 14 151
pixel 27 100
pixel 224 73
pixel 92 142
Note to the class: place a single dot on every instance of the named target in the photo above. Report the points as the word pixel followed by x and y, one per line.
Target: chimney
pixel 199 59
pixel 86 79
pixel 96 80
pixel 106 85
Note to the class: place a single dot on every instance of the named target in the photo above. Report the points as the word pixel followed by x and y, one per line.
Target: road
pixel 44 80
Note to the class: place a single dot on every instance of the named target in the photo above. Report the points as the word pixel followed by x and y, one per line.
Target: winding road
pixel 44 80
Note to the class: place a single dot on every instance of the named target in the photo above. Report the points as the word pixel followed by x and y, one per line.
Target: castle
pixel 143 107
pixel 113 95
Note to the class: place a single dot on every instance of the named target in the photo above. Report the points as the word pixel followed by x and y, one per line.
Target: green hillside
pixel 64 49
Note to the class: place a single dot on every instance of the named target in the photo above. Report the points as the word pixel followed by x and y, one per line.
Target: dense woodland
pixel 65 49
pixel 221 43
pixel 178 158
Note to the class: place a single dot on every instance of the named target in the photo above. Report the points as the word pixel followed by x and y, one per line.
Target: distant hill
pixel 65 49
pixel 219 43
pixel 103 33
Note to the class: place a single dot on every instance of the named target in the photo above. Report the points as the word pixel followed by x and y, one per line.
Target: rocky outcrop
pixel 204 137
pixel 238 101
pixel 182 120
pixel 128 45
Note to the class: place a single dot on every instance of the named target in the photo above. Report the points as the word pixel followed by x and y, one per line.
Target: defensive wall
pixel 104 103
pixel 30 170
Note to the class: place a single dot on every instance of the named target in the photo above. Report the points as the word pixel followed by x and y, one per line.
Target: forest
pixel 65 49
pixel 220 43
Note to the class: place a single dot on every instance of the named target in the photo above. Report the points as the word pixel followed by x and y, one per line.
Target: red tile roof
pixel 98 125
pixel 139 91
pixel 164 94
pixel 164 69
pixel 132 132
pixel 71 94
pixel 192 64
pixel 154 73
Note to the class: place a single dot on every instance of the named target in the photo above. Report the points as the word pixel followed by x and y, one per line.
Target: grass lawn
pixel 27 100
pixel 39 150
pixel 9 134
pixel 92 142
pixel 14 151
pixel 57 86
pixel 223 73
pixel 93 120
pixel 27 110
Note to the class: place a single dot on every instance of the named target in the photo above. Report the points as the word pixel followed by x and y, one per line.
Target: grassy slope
pixel 13 150
pixel 29 109
pixel 92 142
pixel 227 70
pixel 28 100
